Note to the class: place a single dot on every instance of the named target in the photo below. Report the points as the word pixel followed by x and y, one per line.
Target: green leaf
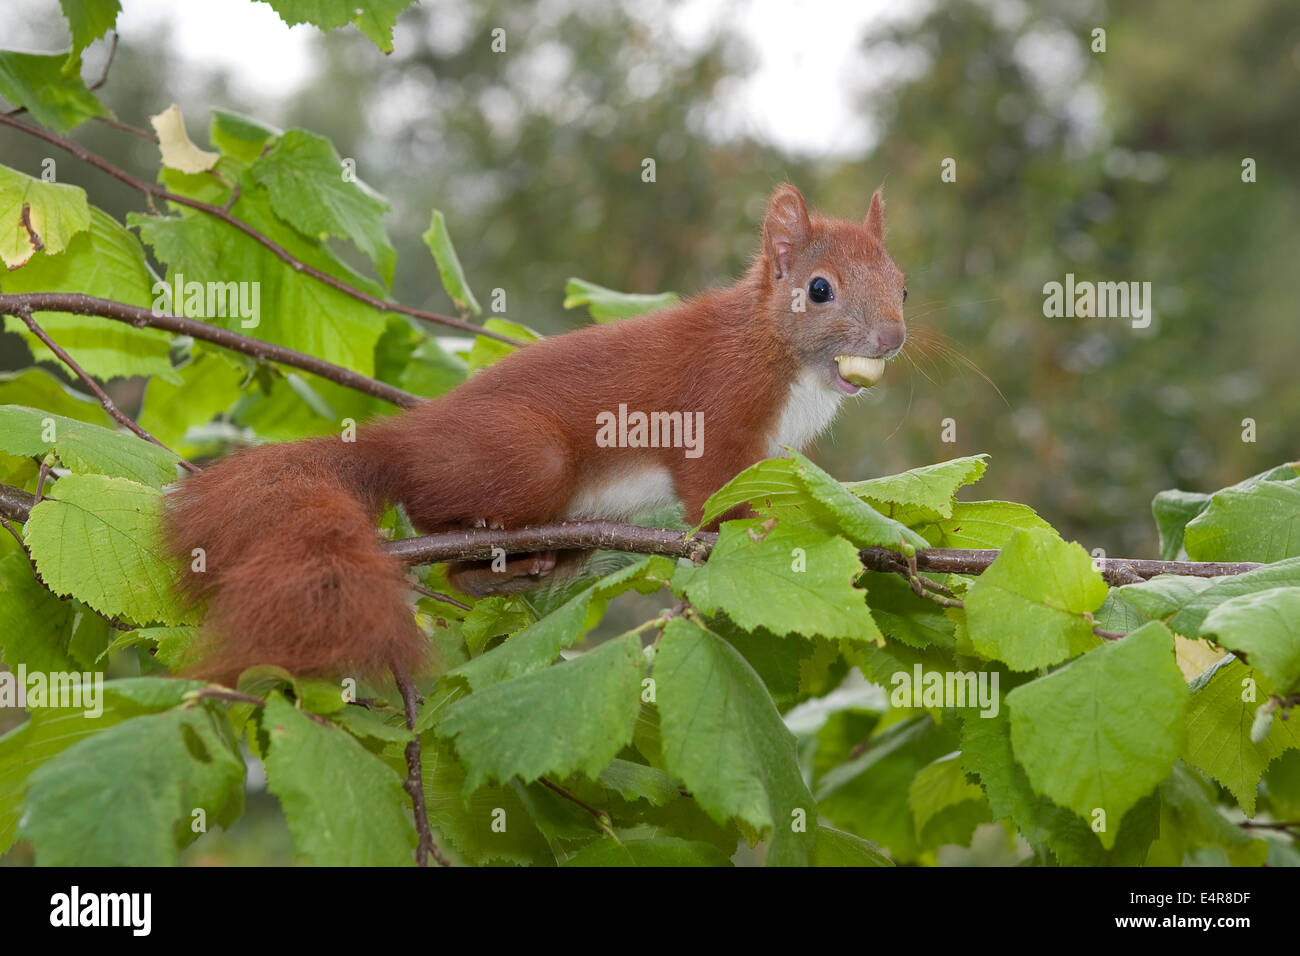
pixel 83 447
pixel 493 824
pixel 1031 607
pixel 1189 618
pixel 238 137
pixel 175 414
pixel 570 718
pixel 57 100
pixel 1190 818
pixel 176 647
pixel 293 309
pixel 1256 523
pixel 1161 597
pixel 937 787
pixel 438 239
pixel 304 175
pixel 605 305
pixel 1264 627
pixel 540 643
pixel 323 778
pixel 108 262
pixel 51 730
pixel 88 20
pixel 797 489
pixel 789 580
pixel 635 781
pixel 983 524
pixel 986 752
pixel 98 542
pixel 128 796
pixel 1103 731
pixel 35 626
pixel 836 848
pixel 921 494
pixel 374 18
pixel 37 388
pixel 723 737
pixel 1218 731
pixel 868 794
pixel 56 212
pixel 485 351
pixel 1172 510
pixel 657 851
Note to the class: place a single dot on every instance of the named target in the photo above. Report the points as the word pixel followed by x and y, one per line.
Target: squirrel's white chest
pixel 808 411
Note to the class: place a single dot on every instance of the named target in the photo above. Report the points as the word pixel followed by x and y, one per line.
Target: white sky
pixel 807 74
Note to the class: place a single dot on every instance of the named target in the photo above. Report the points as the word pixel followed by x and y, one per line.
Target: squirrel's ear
pixel 785 229
pixel 875 221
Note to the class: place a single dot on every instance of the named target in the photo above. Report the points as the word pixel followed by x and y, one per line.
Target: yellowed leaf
pixel 177 150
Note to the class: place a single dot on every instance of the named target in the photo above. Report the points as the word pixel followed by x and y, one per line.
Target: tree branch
pixel 154 191
pixel 15 302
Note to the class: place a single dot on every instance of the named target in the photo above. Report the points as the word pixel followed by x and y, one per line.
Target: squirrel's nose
pixel 889 336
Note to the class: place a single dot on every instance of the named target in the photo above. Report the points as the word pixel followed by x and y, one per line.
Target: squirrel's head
pixel 833 289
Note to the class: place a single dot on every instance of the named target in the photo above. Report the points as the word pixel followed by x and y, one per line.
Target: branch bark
pixel 15 303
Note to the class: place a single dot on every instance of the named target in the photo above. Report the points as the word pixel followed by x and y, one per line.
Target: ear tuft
pixel 875 221
pixel 786 228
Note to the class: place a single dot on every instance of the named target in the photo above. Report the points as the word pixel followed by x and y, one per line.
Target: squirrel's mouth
pixel 858 371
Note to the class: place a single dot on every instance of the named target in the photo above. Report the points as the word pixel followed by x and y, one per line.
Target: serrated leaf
pixel 921 494
pixel 51 730
pixel 795 488
pixel 57 212
pixel 105 261
pixel 789 580
pixel 88 20
pixel 98 541
pixel 293 309
pixel 1030 608
pixel 1190 617
pixel 374 18
pixel 635 781
pixel 570 718
pixel 438 239
pixel 321 776
pixel 493 824
pixel 175 647
pixel 541 642
pixel 1219 719
pixel 83 447
pixel 983 524
pixel 836 848
pixel 1256 523
pixel 35 626
pixel 1172 510
pixel 606 305
pixel 127 797
pixel 56 99
pixel 1103 731
pixel 723 738
pixel 303 174
pixel 1264 628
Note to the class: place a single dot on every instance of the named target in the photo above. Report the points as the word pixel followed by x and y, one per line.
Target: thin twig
pixel 414 783
pixel 121 417
pixel 13 531
pixel 603 819
pixel 15 302
pixel 152 191
pixel 439 596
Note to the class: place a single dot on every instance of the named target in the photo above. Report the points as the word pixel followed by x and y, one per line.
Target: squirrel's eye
pixel 819 290
pixel 904 293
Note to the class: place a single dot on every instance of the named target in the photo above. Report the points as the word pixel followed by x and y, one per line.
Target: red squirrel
pixel 293 570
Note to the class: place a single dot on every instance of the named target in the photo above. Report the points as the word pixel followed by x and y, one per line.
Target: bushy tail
pixel 290 570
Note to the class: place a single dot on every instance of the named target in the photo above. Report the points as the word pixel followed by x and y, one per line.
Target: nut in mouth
pixel 860 370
